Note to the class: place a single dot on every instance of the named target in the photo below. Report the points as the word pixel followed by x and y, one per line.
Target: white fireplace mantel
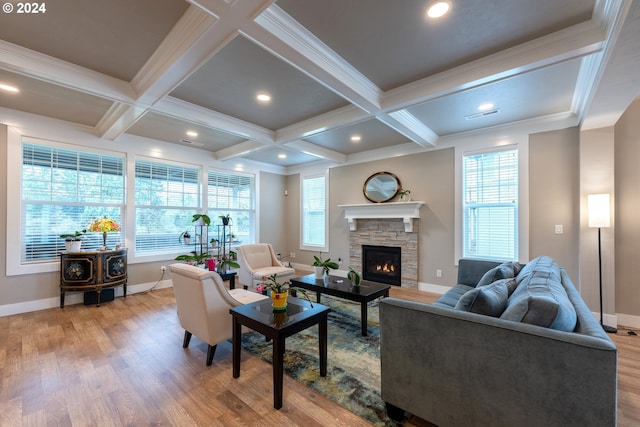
pixel 406 211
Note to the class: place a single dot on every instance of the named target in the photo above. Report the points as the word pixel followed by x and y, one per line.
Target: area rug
pixel 353 367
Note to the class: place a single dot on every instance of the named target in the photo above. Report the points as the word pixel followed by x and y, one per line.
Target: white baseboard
pixel 75 298
pixel 436 289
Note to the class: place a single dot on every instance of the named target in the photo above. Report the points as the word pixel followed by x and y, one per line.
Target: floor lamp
pixel 599 212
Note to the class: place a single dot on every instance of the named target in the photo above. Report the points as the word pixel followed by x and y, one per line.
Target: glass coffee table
pixel 342 287
pixel 277 326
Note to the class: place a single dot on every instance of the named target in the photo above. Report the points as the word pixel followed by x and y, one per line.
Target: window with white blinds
pixel 63 191
pixel 490 205
pixel 314 204
pixel 166 197
pixel 233 194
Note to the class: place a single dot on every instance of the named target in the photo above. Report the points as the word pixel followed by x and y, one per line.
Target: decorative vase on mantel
pixel 279 301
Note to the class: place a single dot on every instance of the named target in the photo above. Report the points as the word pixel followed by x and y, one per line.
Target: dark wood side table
pixel 92 271
pixel 260 317
pixel 229 275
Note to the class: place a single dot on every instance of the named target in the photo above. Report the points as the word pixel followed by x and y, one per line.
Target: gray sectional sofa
pixel 523 351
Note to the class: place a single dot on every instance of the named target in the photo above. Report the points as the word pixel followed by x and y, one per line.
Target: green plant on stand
pixel 226 264
pixel 193 257
pixel 203 218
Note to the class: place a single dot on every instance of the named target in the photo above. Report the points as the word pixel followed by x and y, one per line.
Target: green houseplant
pixel 203 219
pixel 323 266
pixel 193 257
pixel 354 276
pixel 225 219
pixel 73 242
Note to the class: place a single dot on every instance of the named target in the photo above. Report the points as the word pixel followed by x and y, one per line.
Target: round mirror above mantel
pixel 381 187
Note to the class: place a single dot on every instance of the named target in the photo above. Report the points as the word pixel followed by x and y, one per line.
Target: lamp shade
pixel 599 210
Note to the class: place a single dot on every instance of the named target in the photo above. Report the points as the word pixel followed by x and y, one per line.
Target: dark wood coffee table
pixel 260 317
pixel 342 287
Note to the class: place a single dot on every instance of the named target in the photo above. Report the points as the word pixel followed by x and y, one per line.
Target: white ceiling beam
pixel 333 119
pixel 19 60
pixel 408 125
pixel 574 42
pixel 317 151
pixel 183 110
pixel 287 39
pixel 238 150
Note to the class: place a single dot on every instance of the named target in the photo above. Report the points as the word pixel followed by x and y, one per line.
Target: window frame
pixel 147 256
pixel 304 245
pixel 215 211
pixel 485 144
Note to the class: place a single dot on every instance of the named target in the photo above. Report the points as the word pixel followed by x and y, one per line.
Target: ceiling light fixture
pixel 192 133
pixel 9 88
pixel 437 9
pixel 356 138
pixel 486 106
pixel 263 97
pixel 282 156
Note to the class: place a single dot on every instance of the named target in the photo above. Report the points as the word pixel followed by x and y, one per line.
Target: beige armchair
pixel 259 260
pixel 203 305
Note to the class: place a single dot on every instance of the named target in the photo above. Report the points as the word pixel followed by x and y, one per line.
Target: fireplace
pixel 381 264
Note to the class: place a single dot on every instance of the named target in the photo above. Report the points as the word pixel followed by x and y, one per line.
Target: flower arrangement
pixel 271 283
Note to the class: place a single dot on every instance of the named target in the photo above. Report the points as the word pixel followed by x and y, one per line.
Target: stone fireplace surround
pixel 386 224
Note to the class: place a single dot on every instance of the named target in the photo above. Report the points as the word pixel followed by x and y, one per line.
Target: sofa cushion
pixel 506 270
pixel 490 300
pixel 450 298
pixel 540 298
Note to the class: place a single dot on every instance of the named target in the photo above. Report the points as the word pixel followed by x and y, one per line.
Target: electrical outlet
pixel 163 268
pixel 438 273
pixel 292 254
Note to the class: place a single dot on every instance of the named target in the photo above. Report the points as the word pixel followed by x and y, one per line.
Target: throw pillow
pixel 490 300
pixel 540 298
pixel 506 270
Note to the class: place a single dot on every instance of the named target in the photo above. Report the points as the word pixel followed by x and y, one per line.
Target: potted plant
pixel 185 237
pixel 193 257
pixel 405 195
pixel 214 243
pixel 322 267
pixel 73 242
pixel 201 219
pixel 225 219
pixel 354 276
pixel 279 292
pixel 232 237
pixel 226 264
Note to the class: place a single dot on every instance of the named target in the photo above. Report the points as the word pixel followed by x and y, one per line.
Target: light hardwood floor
pixel 122 364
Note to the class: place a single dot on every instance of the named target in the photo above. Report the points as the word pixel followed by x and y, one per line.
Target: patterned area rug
pixel 353 367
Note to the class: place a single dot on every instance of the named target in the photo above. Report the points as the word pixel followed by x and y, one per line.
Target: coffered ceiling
pixel 335 69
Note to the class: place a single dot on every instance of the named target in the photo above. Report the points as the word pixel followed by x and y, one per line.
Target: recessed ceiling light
pixel 9 88
pixel 192 133
pixel 486 106
pixel 356 138
pixel 437 9
pixel 282 156
pixel 263 97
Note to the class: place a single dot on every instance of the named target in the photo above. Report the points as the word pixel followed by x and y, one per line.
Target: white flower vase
pixel 319 272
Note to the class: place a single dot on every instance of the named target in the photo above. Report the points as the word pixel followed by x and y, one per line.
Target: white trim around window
pixel 521 142
pixel 314 212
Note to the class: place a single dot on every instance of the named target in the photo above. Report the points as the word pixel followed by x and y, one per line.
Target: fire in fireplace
pixel 381 264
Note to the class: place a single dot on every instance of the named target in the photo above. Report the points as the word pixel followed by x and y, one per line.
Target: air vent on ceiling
pixel 192 143
pixel 482 114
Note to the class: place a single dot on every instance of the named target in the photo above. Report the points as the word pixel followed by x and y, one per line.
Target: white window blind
pixel 314 212
pixel 63 191
pixel 166 197
pixel 490 205
pixel 233 194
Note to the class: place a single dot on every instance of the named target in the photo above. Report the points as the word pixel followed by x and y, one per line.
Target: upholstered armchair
pixel 259 260
pixel 203 305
